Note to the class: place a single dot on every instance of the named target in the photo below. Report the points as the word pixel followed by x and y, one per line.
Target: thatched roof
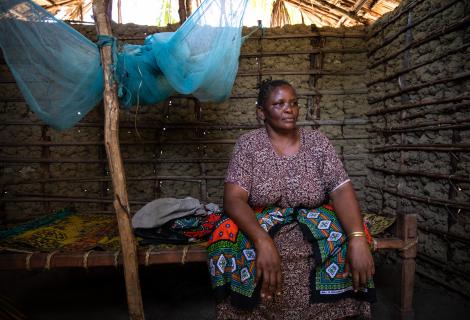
pixel 334 13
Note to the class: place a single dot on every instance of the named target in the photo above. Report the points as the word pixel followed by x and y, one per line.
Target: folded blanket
pixel 232 257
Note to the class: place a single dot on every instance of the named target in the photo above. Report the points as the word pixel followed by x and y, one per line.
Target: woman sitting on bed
pixel 282 252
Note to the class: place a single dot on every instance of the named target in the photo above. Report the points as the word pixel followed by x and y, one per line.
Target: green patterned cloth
pixel 232 257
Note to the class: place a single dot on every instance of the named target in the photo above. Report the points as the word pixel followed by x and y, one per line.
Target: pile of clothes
pixel 175 221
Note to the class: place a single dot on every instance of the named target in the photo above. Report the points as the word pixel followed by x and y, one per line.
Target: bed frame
pixel 404 240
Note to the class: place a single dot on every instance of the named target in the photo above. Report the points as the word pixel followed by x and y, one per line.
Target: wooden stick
pixel 116 167
pixel 419 65
pixel 458 76
pixel 407 231
pixel 18 160
pixel 15 261
pixel 434 35
pixel 242 73
pixel 446 235
pixel 397 16
pixel 313 10
pixel 182 11
pixel 429 128
pixel 63 199
pixel 303 94
pixel 460 147
pixel 255 95
pixel 302 52
pixel 198 178
pixel 420 174
pixel 342 11
pixel 333 34
pixel 142 142
pixel 421 103
pixel 414 24
pixel 428 125
pixel 193 125
pixel 437 110
pixel 355 9
pixel 428 200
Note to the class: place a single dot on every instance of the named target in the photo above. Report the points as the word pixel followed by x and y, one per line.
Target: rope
pixel 373 245
pixel 116 258
pixel 185 253
pixel 409 245
pixel 27 258
pixel 147 255
pixel 14 250
pixel 48 259
pixel 28 261
pixel 251 33
pixel 110 41
pixel 85 259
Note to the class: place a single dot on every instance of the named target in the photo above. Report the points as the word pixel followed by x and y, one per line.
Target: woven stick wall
pixel 181 147
pixel 419 91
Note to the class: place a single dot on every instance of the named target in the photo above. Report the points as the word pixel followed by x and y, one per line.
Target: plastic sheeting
pixel 58 70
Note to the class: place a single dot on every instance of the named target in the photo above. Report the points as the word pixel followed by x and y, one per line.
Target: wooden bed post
pixel 116 166
pixel 407 232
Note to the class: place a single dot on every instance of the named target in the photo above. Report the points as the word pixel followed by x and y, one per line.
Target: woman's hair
pixel 267 86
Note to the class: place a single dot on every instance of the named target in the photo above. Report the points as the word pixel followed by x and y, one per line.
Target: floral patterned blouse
pixel 303 179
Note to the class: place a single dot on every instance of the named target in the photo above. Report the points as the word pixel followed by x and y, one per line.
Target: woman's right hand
pixel 268 260
pixel 268 267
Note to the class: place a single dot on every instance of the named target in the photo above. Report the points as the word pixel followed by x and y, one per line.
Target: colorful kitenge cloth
pixel 65 231
pixel 184 230
pixel 232 257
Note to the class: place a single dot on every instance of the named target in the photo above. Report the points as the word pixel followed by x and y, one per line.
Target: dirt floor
pixel 177 292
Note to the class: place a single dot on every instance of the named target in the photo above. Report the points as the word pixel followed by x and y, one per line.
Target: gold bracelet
pixel 357 234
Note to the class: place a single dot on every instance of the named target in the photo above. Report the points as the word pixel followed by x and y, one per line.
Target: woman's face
pixel 281 109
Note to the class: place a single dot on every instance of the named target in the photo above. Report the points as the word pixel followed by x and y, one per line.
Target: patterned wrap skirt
pixel 295 302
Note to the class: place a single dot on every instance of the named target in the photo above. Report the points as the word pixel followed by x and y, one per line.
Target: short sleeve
pixel 333 172
pixel 240 167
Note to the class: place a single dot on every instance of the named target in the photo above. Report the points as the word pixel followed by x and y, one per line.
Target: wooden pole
pixel 431 36
pixel 421 103
pixel 116 167
pixel 182 11
pixel 431 14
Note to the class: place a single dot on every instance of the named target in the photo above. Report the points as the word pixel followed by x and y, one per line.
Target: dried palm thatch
pixel 279 15
pixel 69 9
pixel 333 13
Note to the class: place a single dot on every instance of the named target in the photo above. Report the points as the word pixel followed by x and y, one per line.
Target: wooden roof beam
pixel 343 12
pixel 61 4
pixel 314 9
pixel 357 6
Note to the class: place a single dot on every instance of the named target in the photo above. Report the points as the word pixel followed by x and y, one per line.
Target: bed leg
pixel 407 231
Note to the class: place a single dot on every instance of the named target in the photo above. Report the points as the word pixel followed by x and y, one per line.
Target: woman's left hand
pixel 359 262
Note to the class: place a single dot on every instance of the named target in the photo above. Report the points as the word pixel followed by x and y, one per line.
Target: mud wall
pixel 420 130
pixel 181 147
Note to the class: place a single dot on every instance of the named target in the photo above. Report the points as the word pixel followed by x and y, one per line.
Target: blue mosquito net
pixel 59 74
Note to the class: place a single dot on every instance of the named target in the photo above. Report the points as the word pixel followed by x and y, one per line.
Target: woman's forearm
pixel 268 260
pixel 347 208
pixel 359 261
pixel 237 208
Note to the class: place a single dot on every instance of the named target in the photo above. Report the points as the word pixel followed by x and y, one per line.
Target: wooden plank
pixel 92 259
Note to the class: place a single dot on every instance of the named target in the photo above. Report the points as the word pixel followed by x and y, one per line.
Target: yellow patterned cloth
pixel 73 232
pixel 377 223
